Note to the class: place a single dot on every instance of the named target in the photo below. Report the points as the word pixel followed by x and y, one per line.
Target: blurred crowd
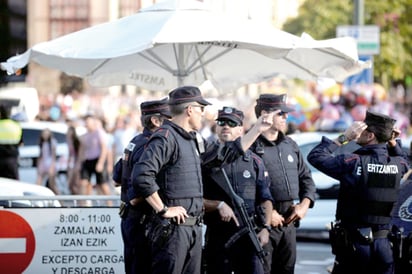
pixel 318 107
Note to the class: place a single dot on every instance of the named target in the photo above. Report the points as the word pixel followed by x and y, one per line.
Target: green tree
pixel 394 17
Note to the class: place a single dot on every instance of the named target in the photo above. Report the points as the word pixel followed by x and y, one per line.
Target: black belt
pixel 380 234
pixel 191 221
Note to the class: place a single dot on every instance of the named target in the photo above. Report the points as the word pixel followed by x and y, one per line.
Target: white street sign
pixel 368 37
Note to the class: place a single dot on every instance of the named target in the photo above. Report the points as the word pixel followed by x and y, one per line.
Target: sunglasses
pixel 230 123
pixel 202 108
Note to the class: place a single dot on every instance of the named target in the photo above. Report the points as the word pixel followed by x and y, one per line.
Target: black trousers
pixel 137 257
pixel 281 251
pixel 241 258
pixel 176 249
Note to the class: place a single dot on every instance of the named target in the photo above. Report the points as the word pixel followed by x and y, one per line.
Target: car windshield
pixel 31 137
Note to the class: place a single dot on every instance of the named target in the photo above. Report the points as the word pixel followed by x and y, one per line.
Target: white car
pixel 30 151
pixel 14 188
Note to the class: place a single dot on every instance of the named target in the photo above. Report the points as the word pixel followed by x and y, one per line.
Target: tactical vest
pixel 10 132
pixel 281 162
pixel 372 199
pixel 242 175
pixel 127 165
pixel 182 177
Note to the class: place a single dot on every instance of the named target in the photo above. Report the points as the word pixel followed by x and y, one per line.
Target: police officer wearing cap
pixel 369 181
pixel 246 175
pixel 134 211
pixel 10 139
pixel 290 180
pixel 168 175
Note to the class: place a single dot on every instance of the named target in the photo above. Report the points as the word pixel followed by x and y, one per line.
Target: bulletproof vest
pixel 182 177
pixel 281 162
pixel 382 185
pixel 127 163
pixel 242 175
pixel 371 200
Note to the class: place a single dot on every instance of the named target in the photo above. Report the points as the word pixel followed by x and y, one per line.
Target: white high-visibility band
pixel 220 204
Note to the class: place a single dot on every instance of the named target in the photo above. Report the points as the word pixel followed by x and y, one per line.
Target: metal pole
pixel 358 12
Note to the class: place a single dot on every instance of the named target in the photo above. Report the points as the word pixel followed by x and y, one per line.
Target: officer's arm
pixel 176 212
pixel 262 124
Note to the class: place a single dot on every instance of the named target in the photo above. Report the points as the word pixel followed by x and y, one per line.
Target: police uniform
pixel 369 181
pixel 401 234
pixel 170 166
pixel 135 217
pixel 290 179
pixel 10 139
pixel 246 175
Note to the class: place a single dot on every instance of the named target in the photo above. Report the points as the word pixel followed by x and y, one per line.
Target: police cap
pixel 156 107
pixel 380 124
pixel 232 114
pixel 186 94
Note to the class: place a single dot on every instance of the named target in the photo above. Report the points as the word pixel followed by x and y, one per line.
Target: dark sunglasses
pixel 202 108
pixel 230 123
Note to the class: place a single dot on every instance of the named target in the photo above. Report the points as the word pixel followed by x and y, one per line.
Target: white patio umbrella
pixel 182 42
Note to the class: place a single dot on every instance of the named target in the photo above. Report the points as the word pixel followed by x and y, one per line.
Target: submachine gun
pixel 248 227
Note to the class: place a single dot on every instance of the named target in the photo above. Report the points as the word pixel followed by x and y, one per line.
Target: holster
pixel 340 240
pixel 364 235
pixel 123 210
pixel 159 230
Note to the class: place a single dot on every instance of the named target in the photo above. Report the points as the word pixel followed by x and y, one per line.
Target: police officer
pixel 369 181
pixel 168 175
pixel 401 233
pixel 10 139
pixel 134 210
pixel 246 175
pixel 290 180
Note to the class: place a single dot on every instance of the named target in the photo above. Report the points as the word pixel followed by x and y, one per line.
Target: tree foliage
pixel 394 17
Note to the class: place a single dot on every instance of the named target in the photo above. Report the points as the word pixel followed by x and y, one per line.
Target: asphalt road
pixel 313 258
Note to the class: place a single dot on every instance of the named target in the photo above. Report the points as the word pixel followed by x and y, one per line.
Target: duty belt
pixel 380 234
pixel 192 221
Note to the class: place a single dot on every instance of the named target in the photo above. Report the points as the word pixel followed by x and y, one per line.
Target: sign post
pixel 62 241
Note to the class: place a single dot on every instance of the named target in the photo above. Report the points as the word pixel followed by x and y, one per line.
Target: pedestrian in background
pixel 290 180
pixel 10 140
pixel 73 161
pixel 47 160
pixel 369 181
pixel 134 211
pixel 93 155
pixel 246 175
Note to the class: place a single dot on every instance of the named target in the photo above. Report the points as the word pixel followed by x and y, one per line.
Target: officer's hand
pixel 263 237
pixel 396 132
pixel 296 212
pixel 355 130
pixel 277 219
pixel 227 214
pixel 178 213
pixel 265 121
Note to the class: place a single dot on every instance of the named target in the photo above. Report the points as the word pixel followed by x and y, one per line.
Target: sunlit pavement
pixel 313 258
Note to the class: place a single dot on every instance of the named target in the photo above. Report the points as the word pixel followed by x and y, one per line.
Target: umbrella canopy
pixel 182 42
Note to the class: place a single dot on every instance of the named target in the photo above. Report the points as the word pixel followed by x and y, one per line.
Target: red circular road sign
pixel 17 243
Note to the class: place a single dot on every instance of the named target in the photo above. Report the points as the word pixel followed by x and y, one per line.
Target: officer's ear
pixel 370 135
